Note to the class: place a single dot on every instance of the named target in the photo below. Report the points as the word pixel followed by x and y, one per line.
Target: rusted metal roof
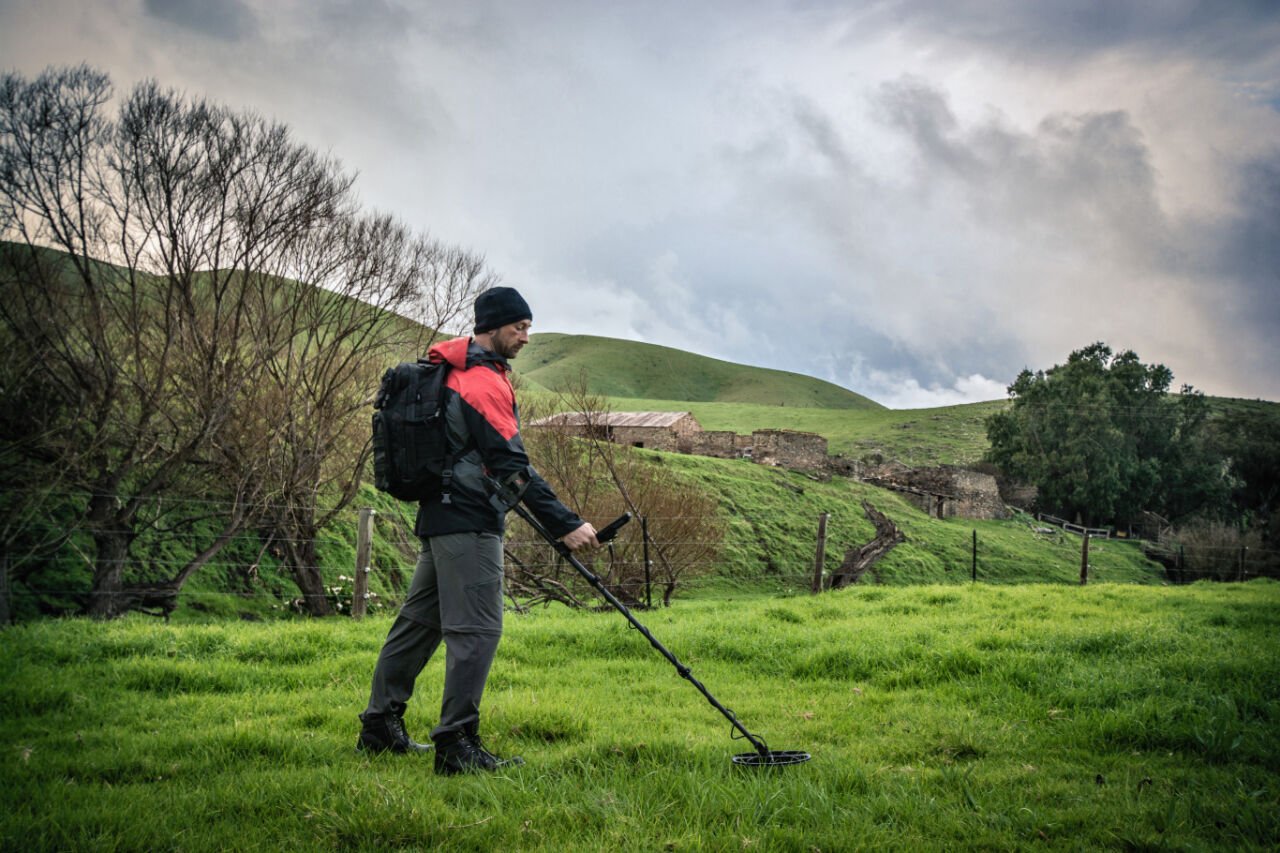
pixel 660 420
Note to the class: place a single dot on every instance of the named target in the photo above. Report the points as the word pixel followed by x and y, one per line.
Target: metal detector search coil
pixel 771 758
pixel 763 756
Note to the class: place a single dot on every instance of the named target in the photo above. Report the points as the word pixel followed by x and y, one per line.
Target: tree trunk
pixel 857 561
pixel 105 599
pixel 301 555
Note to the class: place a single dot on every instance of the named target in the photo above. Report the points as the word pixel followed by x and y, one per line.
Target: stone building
pixel 673 431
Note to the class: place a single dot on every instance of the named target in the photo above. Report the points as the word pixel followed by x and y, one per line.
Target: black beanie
pixel 499 306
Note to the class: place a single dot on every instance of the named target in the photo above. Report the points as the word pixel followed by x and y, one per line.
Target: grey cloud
pixel 741 163
pixel 1251 250
pixel 227 20
pixel 1068 31
pixel 1082 186
pixel 1098 161
pixel 1243 279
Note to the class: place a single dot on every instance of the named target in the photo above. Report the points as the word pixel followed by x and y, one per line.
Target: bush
pixel 1213 550
pixel 600 480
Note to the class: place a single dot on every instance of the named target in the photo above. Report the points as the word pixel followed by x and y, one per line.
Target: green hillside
pixel 771 518
pixel 616 368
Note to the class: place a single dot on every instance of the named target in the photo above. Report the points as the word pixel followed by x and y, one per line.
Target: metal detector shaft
pixel 684 671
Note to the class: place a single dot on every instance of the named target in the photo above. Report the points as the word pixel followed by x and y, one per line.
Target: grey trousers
pixel 455 596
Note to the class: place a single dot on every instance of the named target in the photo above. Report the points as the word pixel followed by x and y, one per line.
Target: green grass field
pixel 939 717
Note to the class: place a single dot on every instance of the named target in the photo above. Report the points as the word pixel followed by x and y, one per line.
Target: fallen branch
pixel 858 561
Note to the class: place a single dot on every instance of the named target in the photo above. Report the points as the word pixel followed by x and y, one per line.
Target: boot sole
pixel 363 747
pixel 447 770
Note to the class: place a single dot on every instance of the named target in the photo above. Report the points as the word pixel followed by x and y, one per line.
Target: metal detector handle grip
pixel 611 529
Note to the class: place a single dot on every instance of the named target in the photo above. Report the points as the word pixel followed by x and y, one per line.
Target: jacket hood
pixel 462 353
pixel 453 351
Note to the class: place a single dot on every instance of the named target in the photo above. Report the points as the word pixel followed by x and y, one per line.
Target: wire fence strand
pixel 261 562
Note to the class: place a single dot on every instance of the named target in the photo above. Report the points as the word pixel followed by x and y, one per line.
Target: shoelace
pixel 475 745
pixel 395 725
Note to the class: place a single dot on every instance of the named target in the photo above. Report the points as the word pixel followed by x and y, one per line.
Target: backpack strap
pixel 446 474
pixel 446 471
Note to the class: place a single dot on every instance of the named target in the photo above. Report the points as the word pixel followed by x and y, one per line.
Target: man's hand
pixel 583 537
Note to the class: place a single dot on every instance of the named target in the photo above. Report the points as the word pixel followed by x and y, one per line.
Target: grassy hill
pixel 616 368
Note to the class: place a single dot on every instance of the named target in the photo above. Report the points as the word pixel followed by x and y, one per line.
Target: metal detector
pixel 763 756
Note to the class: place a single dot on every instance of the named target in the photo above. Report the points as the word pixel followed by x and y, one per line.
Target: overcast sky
pixel 912 199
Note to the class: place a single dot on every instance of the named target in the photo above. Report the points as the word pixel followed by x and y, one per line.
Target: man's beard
pixel 507 350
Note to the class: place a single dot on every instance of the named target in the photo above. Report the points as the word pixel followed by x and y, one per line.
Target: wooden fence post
pixel 364 551
pixel 648 564
pixel 975 555
pixel 820 557
pixel 1084 558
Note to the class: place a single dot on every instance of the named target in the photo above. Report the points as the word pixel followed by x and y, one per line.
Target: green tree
pixel 1250 441
pixel 1102 440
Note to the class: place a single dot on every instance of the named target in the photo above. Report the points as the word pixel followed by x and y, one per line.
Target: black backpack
pixel 411 454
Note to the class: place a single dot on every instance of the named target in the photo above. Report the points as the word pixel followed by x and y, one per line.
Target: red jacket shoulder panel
pixel 486 389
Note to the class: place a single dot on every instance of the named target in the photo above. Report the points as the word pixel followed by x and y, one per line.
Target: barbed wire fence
pixel 386 551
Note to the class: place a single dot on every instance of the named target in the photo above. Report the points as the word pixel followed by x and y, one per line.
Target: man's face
pixel 508 340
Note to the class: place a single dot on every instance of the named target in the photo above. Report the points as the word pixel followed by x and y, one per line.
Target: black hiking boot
pixel 385 733
pixel 463 752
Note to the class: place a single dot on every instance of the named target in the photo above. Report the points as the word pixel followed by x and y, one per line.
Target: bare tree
pixel 340 332
pixel 155 252
pixel 600 480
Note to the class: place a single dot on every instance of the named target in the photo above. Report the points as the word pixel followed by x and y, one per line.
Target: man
pixel 456 592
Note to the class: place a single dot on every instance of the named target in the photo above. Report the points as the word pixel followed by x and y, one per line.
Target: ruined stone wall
pixel 843 466
pixel 804 451
pixel 943 492
pixel 721 444
pixel 977 495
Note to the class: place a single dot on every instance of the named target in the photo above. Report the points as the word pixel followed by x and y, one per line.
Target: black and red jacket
pixel 483 425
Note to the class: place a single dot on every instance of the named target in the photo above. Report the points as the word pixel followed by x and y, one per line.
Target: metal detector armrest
pixel 505 494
